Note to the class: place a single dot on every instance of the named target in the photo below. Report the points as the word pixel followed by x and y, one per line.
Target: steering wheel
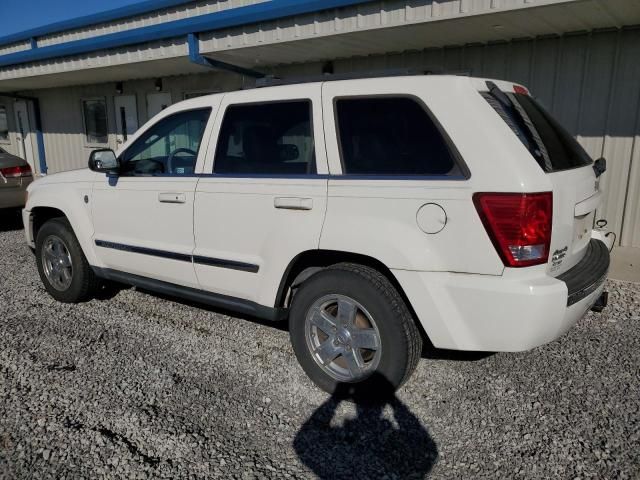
pixel 176 152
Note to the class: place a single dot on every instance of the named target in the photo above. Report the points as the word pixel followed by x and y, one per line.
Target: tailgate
pixel 575 199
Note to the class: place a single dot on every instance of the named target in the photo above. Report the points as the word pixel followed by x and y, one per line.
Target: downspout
pixel 195 57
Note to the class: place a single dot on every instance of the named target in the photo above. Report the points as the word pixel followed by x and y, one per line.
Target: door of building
pixel 156 102
pixel 24 133
pixel 126 117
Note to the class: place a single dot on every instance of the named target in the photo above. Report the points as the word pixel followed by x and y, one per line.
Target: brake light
pixel 519 225
pixel 14 172
pixel 520 89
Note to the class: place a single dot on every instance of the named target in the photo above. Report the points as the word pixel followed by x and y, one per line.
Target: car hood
pixel 73 176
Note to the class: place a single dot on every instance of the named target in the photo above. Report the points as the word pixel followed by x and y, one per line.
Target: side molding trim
pixel 182 257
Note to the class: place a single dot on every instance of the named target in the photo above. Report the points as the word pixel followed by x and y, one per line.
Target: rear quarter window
pixel 389 136
pixel 550 144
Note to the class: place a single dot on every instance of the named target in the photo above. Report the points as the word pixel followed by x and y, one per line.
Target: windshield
pixel 552 146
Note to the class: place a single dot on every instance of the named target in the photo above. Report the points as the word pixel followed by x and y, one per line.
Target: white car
pixel 371 213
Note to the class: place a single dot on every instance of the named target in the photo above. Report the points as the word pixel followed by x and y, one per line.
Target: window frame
pixel 465 173
pixel 140 133
pixel 6 141
pixel 223 114
pixel 87 143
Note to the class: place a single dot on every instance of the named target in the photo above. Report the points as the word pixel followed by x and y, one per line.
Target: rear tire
pixel 331 349
pixel 62 266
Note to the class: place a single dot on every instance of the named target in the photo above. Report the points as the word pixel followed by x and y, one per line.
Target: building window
pixel 4 125
pixel 391 136
pixel 95 120
pixel 271 138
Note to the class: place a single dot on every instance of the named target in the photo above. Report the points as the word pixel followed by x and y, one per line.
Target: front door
pixel 143 219
pixel 157 102
pixel 266 198
pixel 23 126
pixel 126 117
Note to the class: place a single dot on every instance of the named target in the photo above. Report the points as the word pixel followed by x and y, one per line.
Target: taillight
pixel 519 225
pixel 14 172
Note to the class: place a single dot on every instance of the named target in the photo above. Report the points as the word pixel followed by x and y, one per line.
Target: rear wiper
pixel 499 95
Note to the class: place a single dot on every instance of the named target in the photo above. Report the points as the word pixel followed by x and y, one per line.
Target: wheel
pixel 352 332
pixel 62 266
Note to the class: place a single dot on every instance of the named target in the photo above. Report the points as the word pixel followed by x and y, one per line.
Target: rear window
pixel 553 147
pixel 389 136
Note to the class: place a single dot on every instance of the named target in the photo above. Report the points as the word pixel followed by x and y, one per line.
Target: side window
pixel 391 136
pixel 267 138
pixel 170 147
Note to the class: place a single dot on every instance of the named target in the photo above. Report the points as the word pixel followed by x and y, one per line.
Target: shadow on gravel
pixel 369 445
pixel 10 219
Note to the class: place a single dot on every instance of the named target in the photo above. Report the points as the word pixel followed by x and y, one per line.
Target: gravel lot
pixel 137 386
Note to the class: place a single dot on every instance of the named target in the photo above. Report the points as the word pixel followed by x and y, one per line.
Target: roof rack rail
pixel 272 81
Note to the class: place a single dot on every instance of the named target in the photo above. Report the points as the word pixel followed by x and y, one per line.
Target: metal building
pixel 89 82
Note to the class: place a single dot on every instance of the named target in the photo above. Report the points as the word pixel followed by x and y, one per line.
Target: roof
pixel 87 20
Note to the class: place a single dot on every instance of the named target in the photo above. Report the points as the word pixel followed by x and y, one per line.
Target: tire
pixel 72 284
pixel 379 305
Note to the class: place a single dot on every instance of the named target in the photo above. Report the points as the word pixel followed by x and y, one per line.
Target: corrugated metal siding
pixel 589 81
pixel 164 49
pixel 591 84
pixel 154 18
pixel 569 15
pixel 14 47
pixel 62 119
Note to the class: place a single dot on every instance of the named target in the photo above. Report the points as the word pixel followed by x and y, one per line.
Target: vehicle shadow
pixel 370 445
pixel 10 219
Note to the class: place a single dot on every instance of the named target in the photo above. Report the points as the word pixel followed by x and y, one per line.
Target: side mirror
pixel 104 160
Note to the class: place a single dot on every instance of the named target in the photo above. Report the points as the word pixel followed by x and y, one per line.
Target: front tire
pixel 352 332
pixel 62 266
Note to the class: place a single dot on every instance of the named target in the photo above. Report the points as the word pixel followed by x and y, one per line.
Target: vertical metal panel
pixel 160 16
pixel 589 81
pixel 621 130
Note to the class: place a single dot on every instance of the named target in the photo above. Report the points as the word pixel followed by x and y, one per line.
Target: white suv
pixel 372 213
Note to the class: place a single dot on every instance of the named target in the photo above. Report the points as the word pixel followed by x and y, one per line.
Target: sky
pixel 19 15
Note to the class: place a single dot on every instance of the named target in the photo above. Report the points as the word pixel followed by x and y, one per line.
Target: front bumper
pixel 518 311
pixel 27 222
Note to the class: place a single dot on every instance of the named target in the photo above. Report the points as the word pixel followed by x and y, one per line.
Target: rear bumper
pixel 589 274
pixel 27 222
pixel 518 311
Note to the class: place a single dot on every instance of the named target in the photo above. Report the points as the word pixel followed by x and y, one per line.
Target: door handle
pixel 293 203
pixel 172 197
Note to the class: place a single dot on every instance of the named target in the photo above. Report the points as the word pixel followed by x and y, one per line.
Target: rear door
pixel 264 199
pixel 576 193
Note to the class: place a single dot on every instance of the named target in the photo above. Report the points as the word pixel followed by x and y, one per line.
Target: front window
pixel 170 147
pixel 4 125
pixel 95 121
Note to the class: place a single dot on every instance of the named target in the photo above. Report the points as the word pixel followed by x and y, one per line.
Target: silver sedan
pixel 15 176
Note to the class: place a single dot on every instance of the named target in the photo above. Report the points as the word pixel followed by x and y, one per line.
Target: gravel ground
pixel 136 386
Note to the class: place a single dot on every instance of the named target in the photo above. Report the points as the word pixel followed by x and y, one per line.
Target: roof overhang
pixel 319 37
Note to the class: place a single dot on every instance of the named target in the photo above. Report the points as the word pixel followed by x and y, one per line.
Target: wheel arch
pixel 79 221
pixel 307 263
